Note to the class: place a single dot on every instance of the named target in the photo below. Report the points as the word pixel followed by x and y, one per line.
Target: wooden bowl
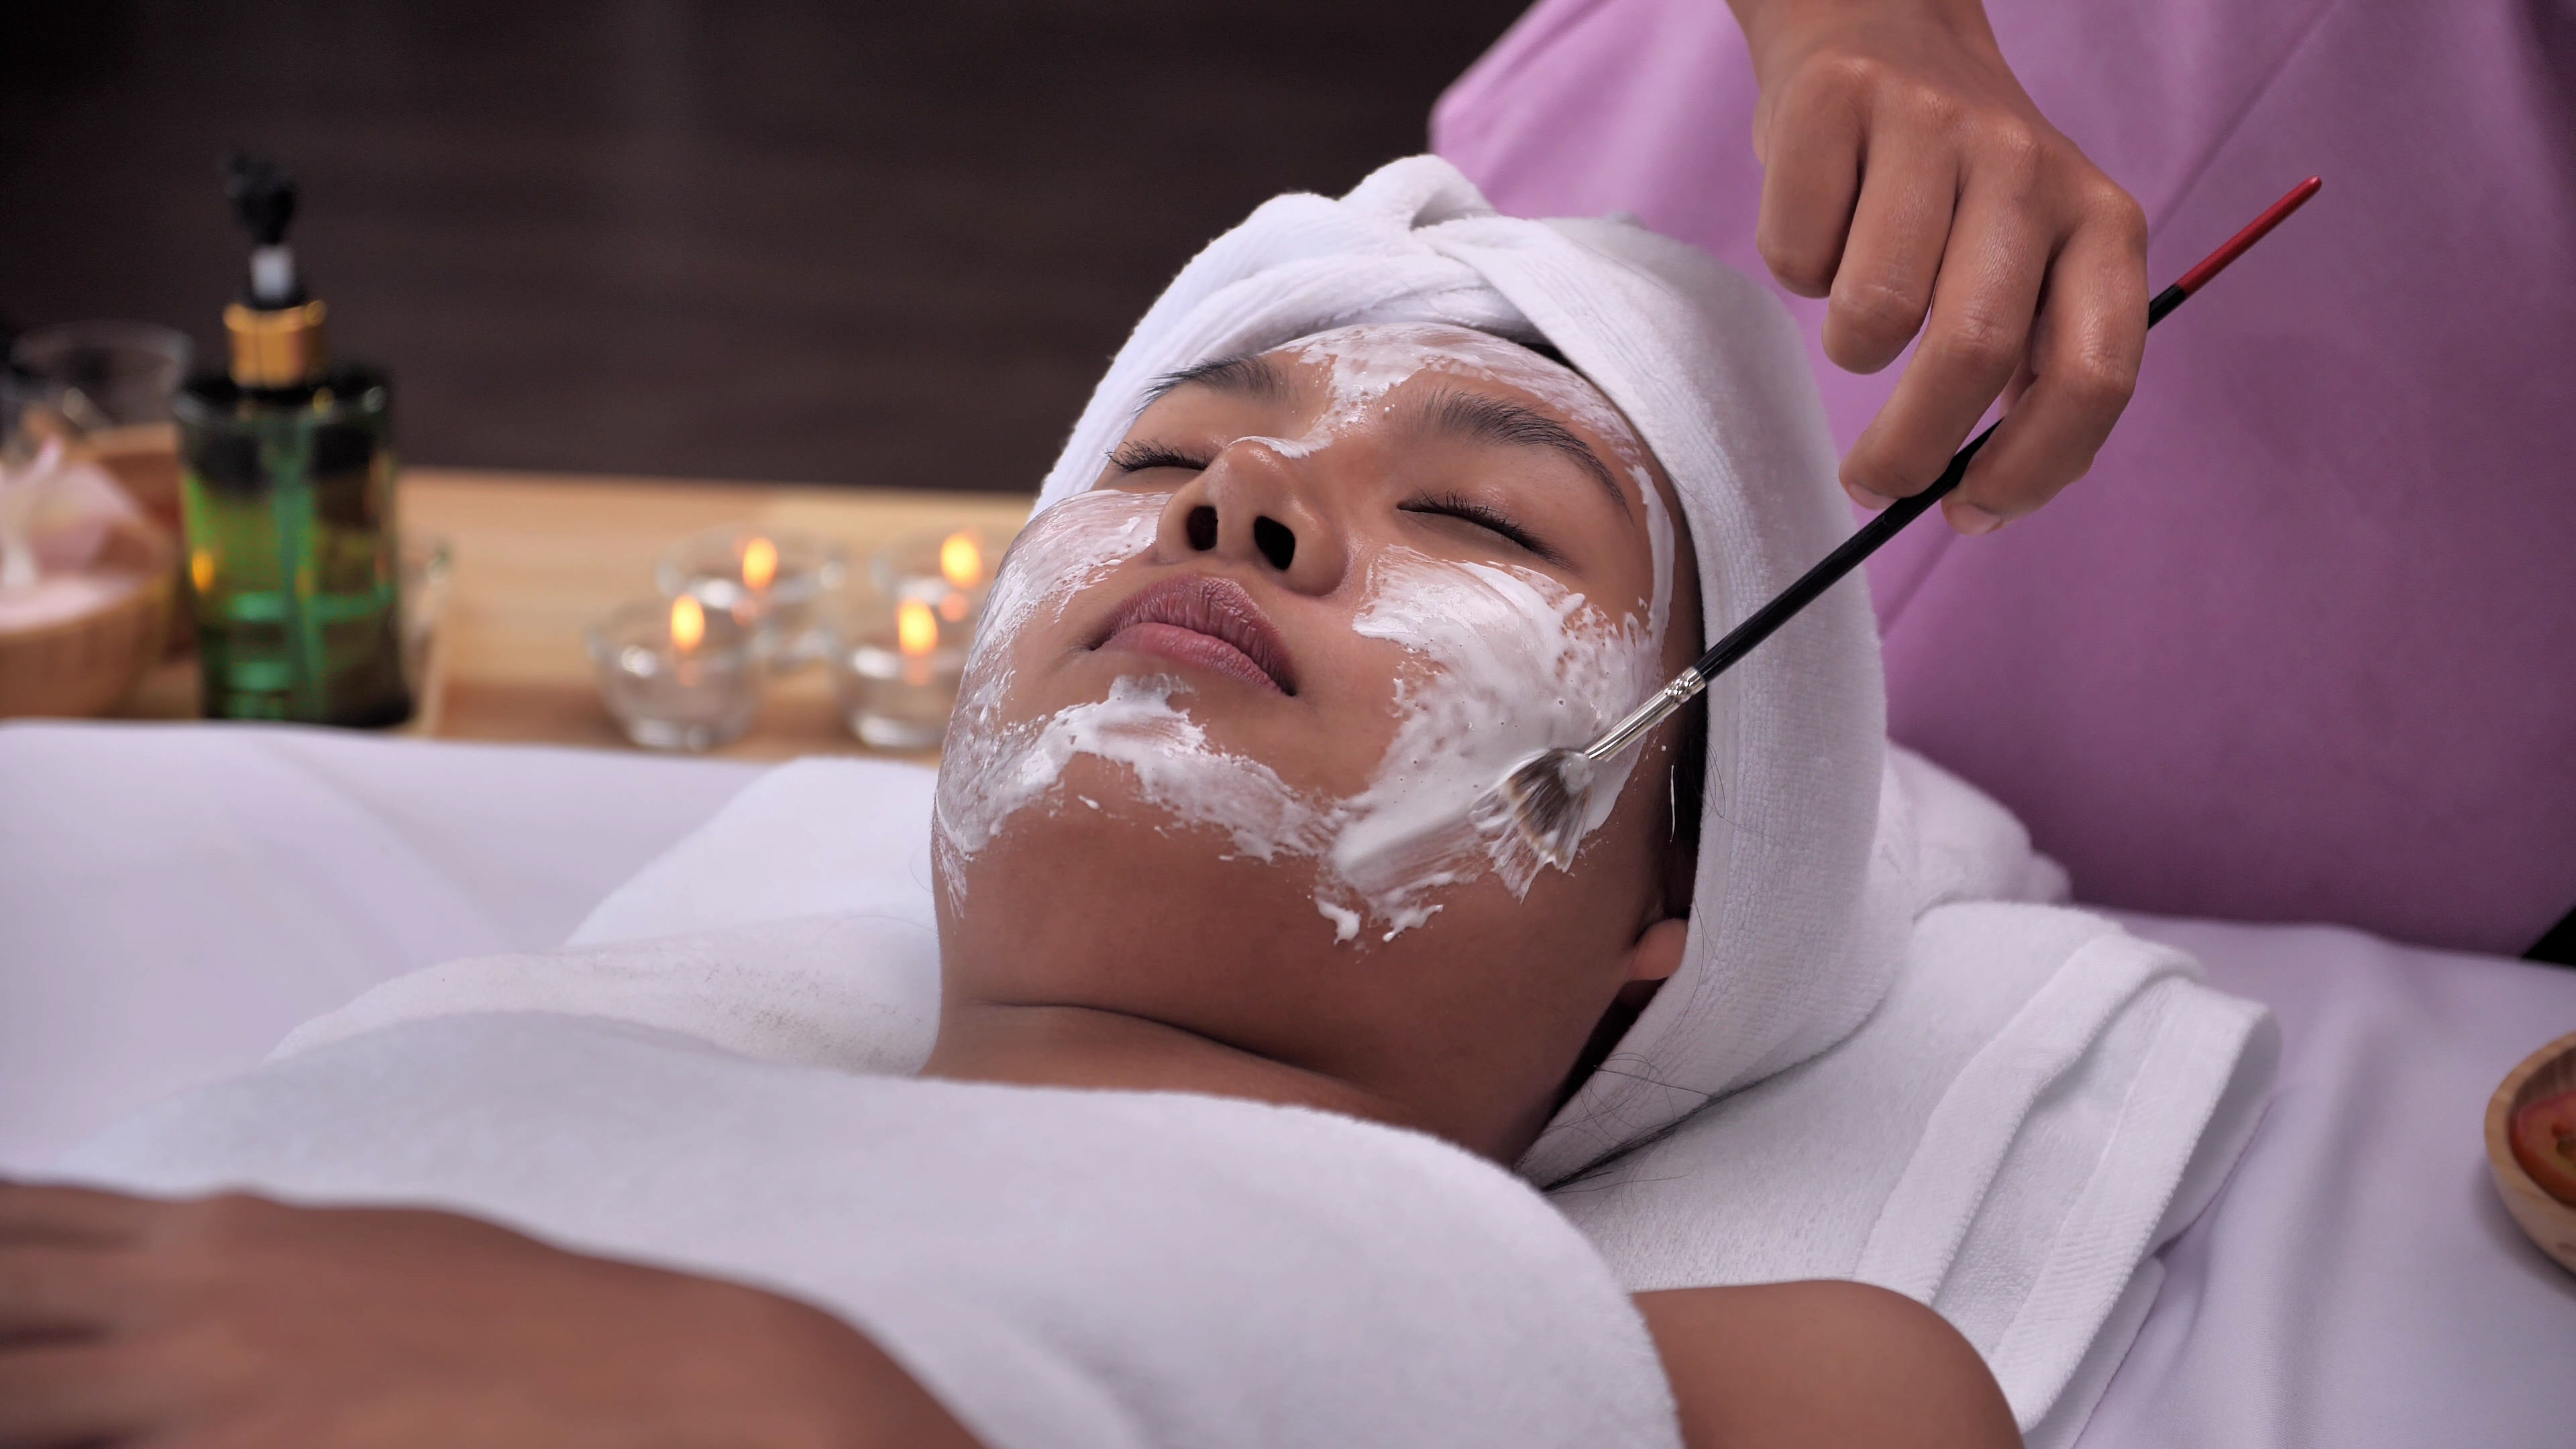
pixel 2551 1223
pixel 82 666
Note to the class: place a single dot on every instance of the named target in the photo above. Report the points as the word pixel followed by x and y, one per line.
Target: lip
pixel 1206 621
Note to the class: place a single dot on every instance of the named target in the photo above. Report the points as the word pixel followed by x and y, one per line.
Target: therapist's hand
pixel 232 1322
pixel 1908 177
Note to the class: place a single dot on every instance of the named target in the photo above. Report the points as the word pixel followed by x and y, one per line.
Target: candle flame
pixel 960 561
pixel 759 564
pixel 915 632
pixel 688 622
pixel 201 569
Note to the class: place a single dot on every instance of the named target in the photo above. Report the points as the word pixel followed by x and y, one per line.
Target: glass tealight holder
pixel 109 385
pixel 896 660
pixel 772 581
pixel 950 569
pixel 428 563
pixel 677 675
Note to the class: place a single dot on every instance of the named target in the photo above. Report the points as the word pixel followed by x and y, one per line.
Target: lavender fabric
pixel 2303 646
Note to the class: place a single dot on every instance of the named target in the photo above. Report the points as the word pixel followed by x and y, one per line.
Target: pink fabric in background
pixel 2303 645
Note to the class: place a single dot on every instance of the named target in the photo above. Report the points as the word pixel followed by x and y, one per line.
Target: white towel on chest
pixel 2041 1101
pixel 1061 1269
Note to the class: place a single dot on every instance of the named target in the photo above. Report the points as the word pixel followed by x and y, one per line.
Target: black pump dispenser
pixel 276 331
pixel 263 197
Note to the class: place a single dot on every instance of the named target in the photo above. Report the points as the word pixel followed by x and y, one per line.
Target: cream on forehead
pixel 1365 362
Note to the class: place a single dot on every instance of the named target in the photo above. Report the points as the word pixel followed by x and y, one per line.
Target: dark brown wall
pixel 862 243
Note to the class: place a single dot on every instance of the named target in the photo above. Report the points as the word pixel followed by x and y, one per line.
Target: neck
pixel 1056 1045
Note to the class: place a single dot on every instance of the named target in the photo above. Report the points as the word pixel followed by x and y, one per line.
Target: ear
pixel 1657 953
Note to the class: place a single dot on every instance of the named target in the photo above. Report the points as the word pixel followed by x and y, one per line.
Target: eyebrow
pixel 1250 376
pixel 1496 420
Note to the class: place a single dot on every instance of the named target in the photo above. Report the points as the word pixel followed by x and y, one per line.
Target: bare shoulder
pixel 1823 1363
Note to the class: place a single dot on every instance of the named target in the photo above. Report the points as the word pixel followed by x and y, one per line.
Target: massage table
pixel 175 898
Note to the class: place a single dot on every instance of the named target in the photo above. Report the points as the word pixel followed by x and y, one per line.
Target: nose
pixel 1254 506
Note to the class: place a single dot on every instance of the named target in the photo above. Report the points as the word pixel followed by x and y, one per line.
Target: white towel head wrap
pixel 1797 922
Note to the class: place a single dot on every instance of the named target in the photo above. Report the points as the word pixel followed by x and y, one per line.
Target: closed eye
pixel 1138 457
pixel 1487 517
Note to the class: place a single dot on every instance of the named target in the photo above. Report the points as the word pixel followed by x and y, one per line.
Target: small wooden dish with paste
pixel 2546 1076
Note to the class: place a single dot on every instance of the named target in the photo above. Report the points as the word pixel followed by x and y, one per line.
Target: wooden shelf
pixel 537 557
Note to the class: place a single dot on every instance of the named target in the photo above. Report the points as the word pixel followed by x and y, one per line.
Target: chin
pixel 1115 905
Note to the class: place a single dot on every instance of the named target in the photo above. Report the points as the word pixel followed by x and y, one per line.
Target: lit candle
pixel 916 635
pixel 896 678
pixel 771 582
pixel 759 564
pixel 688 624
pixel 676 675
pixel 951 570
pixel 961 567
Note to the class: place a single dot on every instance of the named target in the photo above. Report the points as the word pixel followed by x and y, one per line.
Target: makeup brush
pixel 1546 797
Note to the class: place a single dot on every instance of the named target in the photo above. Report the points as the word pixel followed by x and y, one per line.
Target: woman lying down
pixel 1243 1027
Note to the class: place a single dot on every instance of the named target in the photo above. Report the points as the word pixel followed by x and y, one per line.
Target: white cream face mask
pixel 1498 661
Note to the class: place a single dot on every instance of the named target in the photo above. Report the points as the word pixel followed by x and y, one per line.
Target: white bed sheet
pixel 174 898
pixel 2357 1282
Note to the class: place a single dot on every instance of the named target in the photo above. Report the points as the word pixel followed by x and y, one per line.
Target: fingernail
pixel 1862 496
pixel 1973 519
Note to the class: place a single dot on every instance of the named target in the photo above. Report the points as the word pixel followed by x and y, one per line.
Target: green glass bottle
pixel 287 478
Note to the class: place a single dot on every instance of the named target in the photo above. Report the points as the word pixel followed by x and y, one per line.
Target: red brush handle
pixel 2216 262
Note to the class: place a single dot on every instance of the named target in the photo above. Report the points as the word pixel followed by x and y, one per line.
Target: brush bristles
pixel 1543 801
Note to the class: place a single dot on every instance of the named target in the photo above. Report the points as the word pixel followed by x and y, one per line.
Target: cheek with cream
pixel 1500 662
pixel 996 765
pixel 1495 662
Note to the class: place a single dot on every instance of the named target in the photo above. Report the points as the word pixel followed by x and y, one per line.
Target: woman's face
pixel 1218 742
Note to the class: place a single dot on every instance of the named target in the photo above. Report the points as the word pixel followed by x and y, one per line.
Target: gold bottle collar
pixel 276 348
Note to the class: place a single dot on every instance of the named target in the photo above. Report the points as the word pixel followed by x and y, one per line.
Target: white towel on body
pixel 1061 1269
pixel 2040 1103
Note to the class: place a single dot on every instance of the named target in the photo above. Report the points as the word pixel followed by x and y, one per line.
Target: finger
pixel 1809 181
pixel 49 1290
pixel 65 1393
pixel 1973 340
pixel 1883 286
pixel 2084 357
pixel 49 1213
